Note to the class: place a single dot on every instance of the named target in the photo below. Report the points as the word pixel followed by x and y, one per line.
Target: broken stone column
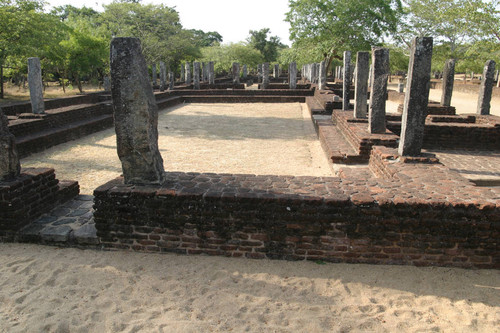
pixel 265 75
pixel 346 85
pixel 378 90
pixel 154 72
pixel 204 75
pixel 135 114
pixel 35 85
pixel 163 76
pixel 401 86
pixel 183 73
pixel 107 83
pixel 276 71
pixel 9 160
pixel 448 80
pixel 322 76
pixel 259 73
pixel 245 72
pixel 236 73
pixel 486 88
pixel 188 73
pixel 171 80
pixel 211 73
pixel 196 75
pixel 292 75
pixel 361 87
pixel 416 98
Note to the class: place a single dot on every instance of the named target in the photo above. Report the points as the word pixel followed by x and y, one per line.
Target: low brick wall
pixel 34 192
pixel 296 218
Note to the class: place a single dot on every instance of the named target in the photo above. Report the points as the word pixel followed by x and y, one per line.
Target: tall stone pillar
pixel 245 72
pixel 416 98
pixel 448 80
pixel 204 72
pixel 153 72
pixel 183 73
pixel 9 159
pixel 486 88
pixel 292 75
pixel 163 76
pixel 211 73
pixel 322 76
pixel 188 73
pixel 171 80
pixel 196 75
pixel 378 91
pixel 107 83
pixel 265 75
pixel 135 113
pixel 236 73
pixel 276 71
pixel 36 85
pixel 361 87
pixel 259 73
pixel 346 85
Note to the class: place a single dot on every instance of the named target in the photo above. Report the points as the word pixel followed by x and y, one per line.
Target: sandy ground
pixel 46 289
pixel 258 138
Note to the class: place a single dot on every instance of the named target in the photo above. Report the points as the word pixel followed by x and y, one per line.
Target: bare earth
pixel 48 289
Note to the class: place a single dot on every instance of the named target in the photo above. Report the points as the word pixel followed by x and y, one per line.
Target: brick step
pixel 168 102
pixel 244 99
pixel 42 140
pixel 335 145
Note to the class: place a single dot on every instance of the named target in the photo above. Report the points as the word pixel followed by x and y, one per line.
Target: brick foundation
pixel 34 192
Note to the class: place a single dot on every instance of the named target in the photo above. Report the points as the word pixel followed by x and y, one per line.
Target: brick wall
pixel 294 218
pixel 25 198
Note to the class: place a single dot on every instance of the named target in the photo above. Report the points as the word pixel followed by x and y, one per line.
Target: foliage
pixel 269 48
pixel 224 55
pixel 204 39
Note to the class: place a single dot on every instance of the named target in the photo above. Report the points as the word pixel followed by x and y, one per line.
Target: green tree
pixel 224 55
pixel 268 47
pixel 204 39
pixel 333 26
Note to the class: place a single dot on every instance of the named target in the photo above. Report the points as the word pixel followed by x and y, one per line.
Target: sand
pixel 48 289
pixel 256 138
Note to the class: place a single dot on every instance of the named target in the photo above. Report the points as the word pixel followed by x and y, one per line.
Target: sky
pixel 233 19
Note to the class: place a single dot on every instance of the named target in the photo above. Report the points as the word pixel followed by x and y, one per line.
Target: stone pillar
pixel 9 159
pixel 236 73
pixel 163 76
pixel 107 83
pixel 486 89
pixel 135 114
pixel 211 73
pixel 259 73
pixel 276 71
pixel 171 80
pixel 203 72
pixel 378 90
pixel 416 98
pixel 153 72
pixel 292 75
pixel 188 73
pixel 36 86
pixel 448 80
pixel 361 87
pixel 346 85
pixel 196 75
pixel 401 86
pixel 265 75
pixel 245 72
pixel 322 76
pixel 183 73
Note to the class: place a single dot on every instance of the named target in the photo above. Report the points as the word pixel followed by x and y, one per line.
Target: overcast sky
pixel 231 18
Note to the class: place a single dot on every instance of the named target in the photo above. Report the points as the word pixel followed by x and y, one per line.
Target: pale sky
pixel 233 19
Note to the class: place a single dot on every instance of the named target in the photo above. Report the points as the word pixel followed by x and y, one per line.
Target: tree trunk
pixel 78 83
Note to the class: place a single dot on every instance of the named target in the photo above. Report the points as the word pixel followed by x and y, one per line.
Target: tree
pixel 333 26
pixel 224 55
pixel 269 48
pixel 204 39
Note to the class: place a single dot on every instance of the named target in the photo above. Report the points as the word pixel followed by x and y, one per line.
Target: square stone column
pixel 204 74
pixel 188 73
pixel 171 80
pixel 196 75
pixel 265 75
pixel 322 76
pixel 486 88
pixel 107 83
pixel 36 85
pixel 346 84
pixel 183 73
pixel 153 74
pixel 276 71
pixel 163 76
pixel 292 75
pixel 416 98
pixel 9 159
pixel 361 87
pixel 378 91
pixel 448 81
pixel 236 73
pixel 135 114
pixel 259 73
pixel 245 72
pixel 211 73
